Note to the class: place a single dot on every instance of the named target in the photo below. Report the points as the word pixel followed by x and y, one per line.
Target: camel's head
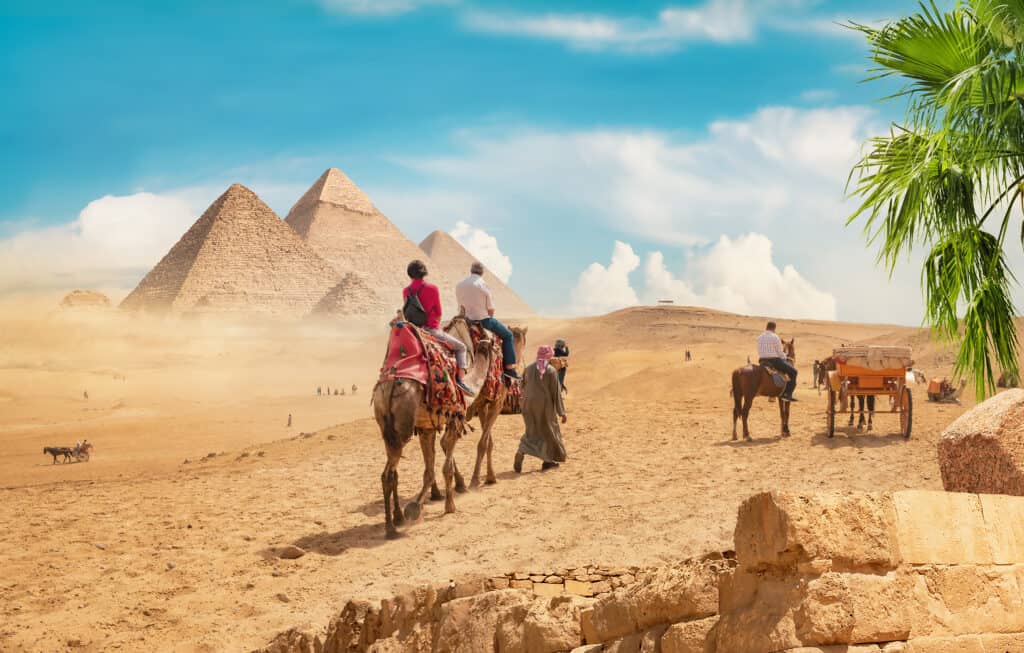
pixel 519 340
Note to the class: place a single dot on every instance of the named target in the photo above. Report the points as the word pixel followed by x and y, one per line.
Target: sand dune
pixel 137 550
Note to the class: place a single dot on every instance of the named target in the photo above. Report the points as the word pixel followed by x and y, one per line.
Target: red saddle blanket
pixel 416 355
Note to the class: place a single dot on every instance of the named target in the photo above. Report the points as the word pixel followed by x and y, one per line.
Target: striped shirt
pixel 769 345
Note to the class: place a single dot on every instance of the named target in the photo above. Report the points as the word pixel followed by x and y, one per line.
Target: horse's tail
pixel 736 392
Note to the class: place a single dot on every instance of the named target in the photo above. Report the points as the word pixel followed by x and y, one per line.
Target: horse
pixel 59 451
pixel 829 365
pixel 752 381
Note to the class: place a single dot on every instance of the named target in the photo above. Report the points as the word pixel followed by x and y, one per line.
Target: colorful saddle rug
pixel 416 355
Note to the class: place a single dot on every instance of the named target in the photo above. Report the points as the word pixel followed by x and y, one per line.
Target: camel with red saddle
pixel 417 395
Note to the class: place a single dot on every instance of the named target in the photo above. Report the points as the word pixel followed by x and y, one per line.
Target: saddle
pixel 778 378
pixel 416 355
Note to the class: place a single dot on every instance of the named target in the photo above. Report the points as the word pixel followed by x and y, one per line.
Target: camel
pixel 487 410
pixel 752 381
pixel 401 413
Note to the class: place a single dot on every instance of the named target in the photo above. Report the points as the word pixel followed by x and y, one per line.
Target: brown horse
pixel 752 381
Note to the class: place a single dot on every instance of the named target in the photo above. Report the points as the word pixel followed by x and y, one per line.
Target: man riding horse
pixel 772 354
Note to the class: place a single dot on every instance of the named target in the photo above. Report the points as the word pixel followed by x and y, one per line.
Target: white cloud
pixel 114 240
pixel 722 21
pixel 601 289
pixel 779 164
pixel 379 7
pixel 484 247
pixel 739 276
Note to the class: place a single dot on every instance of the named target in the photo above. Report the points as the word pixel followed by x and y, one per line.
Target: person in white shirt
pixel 771 354
pixel 477 303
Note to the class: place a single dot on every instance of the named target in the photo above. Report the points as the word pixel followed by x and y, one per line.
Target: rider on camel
pixel 477 303
pixel 430 299
pixel 771 354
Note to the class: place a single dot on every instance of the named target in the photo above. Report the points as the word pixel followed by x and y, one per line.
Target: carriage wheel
pixel 906 413
pixel 831 413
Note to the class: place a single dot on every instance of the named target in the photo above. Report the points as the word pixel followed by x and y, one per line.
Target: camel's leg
pixel 491 415
pixel 428 444
pixel 389 483
pixel 748 401
pixel 448 446
pixel 399 519
pixel 481 446
pixel 460 483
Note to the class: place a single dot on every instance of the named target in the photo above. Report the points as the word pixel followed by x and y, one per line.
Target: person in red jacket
pixel 430 300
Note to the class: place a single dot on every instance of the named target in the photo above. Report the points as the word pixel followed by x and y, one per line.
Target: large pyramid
pixel 343 226
pixel 454 261
pixel 238 257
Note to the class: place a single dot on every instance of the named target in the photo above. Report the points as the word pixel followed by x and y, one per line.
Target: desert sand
pixel 155 544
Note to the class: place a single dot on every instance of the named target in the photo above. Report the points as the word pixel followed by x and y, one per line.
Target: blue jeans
pixel 782 365
pixel 508 345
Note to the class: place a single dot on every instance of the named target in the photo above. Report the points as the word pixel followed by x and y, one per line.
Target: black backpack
pixel 413 310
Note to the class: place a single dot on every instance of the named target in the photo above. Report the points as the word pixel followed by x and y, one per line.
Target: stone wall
pixel 904 572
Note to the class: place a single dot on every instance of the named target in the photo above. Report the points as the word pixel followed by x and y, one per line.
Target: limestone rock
pixel 238 257
pixel 683 592
pixel 776 529
pixel 690 637
pixel 471 624
pixel 291 552
pixel 982 451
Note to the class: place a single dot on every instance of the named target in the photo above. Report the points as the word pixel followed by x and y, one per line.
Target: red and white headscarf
pixel 544 354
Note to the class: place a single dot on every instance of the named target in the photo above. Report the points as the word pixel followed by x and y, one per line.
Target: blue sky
pixel 714 134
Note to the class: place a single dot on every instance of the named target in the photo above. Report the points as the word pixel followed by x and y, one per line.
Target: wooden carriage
pixel 872 370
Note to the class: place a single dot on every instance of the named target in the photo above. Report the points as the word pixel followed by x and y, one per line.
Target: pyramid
pixel 353 296
pixel 343 226
pixel 238 257
pixel 453 259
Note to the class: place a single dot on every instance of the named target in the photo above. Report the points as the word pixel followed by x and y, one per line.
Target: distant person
pixel 562 351
pixel 289 420
pixel 328 391
pixel 815 371
pixel 355 388
pixel 771 354
pixel 542 410
pixel 423 304
pixel 342 392
pixel 85 394
pixel 688 356
pixel 318 391
pixel 477 303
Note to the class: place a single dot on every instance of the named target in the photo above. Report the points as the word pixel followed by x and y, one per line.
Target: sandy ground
pixel 138 550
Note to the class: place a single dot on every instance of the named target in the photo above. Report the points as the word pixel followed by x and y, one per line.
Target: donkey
pixel 752 381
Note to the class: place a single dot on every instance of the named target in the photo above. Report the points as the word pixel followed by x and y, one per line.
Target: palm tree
pixel 949 177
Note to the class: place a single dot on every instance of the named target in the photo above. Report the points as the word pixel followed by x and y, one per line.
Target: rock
pixel 282 597
pixel 101 547
pixel 291 552
pixel 778 529
pixel 689 637
pixel 354 629
pixel 471 624
pixel 170 566
pixel 982 451
pixel 293 641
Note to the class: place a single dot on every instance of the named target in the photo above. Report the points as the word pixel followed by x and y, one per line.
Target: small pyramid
pixel 238 257
pixel 343 226
pixel 353 296
pixel 455 261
